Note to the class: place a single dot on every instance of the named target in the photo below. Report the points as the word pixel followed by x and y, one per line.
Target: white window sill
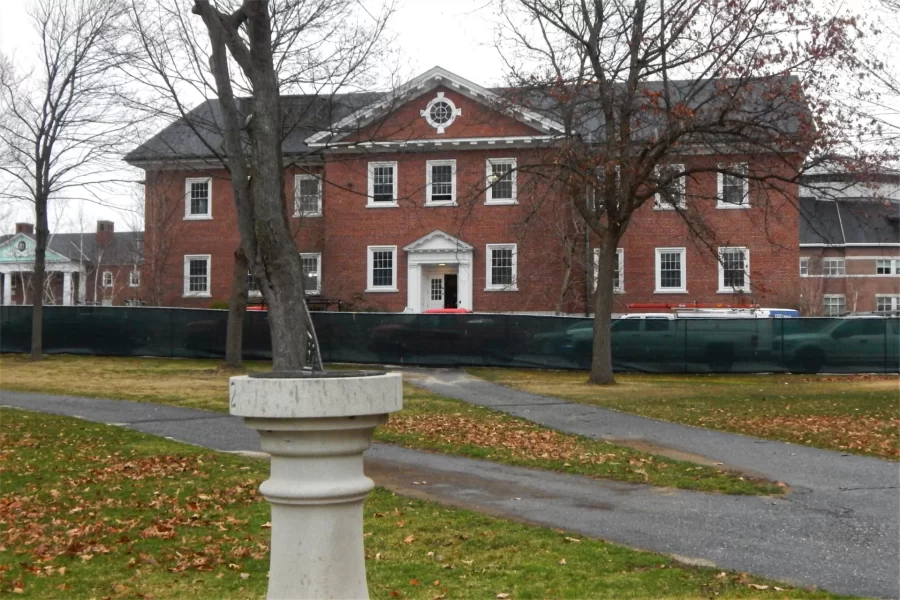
pixel 729 206
pixel 381 290
pixel 500 202
pixel 254 294
pixel 312 292
pixel 197 295
pixel 198 217
pixel 383 205
pixel 505 288
pixel 133 286
pixel 618 291
pixel 668 207
pixel 670 291
pixel 297 215
pixel 445 203
pixel 734 291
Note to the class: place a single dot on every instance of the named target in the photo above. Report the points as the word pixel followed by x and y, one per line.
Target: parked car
pixel 869 342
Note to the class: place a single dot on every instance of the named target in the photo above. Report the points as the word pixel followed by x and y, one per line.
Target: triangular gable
pixel 20 249
pixel 438 241
pixel 424 83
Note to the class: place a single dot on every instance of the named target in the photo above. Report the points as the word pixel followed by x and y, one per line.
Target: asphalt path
pixel 836 534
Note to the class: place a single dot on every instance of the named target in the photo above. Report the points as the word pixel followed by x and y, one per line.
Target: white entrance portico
pixel 439 273
pixel 17 260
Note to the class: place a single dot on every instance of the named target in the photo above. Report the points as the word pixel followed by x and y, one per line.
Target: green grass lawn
pixel 427 422
pixel 98 511
pixel 849 413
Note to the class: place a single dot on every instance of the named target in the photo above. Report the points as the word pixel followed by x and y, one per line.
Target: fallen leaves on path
pixel 879 436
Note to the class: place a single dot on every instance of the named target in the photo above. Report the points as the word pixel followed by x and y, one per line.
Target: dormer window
pixel 441 112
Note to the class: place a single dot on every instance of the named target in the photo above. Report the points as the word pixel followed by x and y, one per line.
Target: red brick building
pixel 432 198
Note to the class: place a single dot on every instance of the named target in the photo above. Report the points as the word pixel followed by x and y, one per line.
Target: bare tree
pixel 646 89
pixel 257 51
pixel 62 122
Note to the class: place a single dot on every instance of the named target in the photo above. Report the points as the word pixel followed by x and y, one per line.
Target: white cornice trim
pixel 488 142
pixel 863 245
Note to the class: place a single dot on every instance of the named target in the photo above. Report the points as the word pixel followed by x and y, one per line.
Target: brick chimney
pixel 104 232
pixel 25 228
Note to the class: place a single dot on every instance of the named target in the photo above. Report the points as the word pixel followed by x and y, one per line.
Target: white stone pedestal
pixel 316 430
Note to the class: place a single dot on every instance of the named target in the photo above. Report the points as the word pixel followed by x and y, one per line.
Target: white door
pixel 435 293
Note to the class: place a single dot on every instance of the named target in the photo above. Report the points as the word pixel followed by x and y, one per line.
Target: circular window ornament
pixel 440 112
pixel 21 246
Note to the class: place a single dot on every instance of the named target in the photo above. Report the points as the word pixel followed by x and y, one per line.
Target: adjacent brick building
pixel 850 244
pixel 432 202
pixel 101 268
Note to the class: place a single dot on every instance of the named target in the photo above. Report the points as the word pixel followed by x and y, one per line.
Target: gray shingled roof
pixel 198 135
pixel 772 106
pixel 125 248
pixel 856 221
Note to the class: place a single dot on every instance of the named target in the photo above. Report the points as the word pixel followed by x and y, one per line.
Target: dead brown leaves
pixel 868 434
pixel 518 439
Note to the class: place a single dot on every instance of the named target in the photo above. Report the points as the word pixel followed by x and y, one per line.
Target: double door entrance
pixel 440 290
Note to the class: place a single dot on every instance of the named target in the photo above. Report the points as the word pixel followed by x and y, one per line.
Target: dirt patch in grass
pixel 852 413
pixel 194 527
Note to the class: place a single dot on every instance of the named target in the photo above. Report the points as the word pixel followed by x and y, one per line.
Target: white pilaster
pixel 7 289
pixel 67 288
pixel 413 285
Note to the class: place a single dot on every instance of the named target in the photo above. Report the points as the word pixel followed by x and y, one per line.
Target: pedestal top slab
pixel 308 397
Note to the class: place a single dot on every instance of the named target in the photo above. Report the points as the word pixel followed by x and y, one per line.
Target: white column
pixel 7 289
pixel 316 429
pixel 82 285
pixel 67 288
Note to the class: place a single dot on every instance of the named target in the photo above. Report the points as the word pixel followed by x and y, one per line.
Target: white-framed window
pixel 500 262
pixel 734 270
pixel 887 266
pixel 107 279
pixel 731 190
pixel 671 270
pixel 834 305
pixel 253 290
pixel 197 275
pixel 887 302
pixel 441 112
pixel 804 266
pixel 382 184
pixel 134 278
pixel 307 196
pixel 312 272
pixel 671 193
pixel 440 187
pixel 834 267
pixel 618 270
pixel 198 198
pixel 381 269
pixel 501 181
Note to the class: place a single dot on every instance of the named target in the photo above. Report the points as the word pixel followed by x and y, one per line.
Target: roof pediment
pixel 438 241
pixel 20 249
pixel 428 81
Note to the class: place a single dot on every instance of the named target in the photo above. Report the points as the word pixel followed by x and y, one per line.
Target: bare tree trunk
pixel 40 252
pixel 237 307
pixel 601 358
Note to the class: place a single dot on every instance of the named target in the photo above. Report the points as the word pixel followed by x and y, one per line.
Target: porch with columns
pixel 10 271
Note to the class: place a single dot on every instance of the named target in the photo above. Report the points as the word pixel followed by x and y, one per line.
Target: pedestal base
pixel 317 486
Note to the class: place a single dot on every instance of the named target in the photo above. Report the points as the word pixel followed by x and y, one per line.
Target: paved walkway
pixel 844 541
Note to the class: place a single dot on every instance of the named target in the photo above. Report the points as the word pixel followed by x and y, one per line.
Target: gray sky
pixel 457 35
